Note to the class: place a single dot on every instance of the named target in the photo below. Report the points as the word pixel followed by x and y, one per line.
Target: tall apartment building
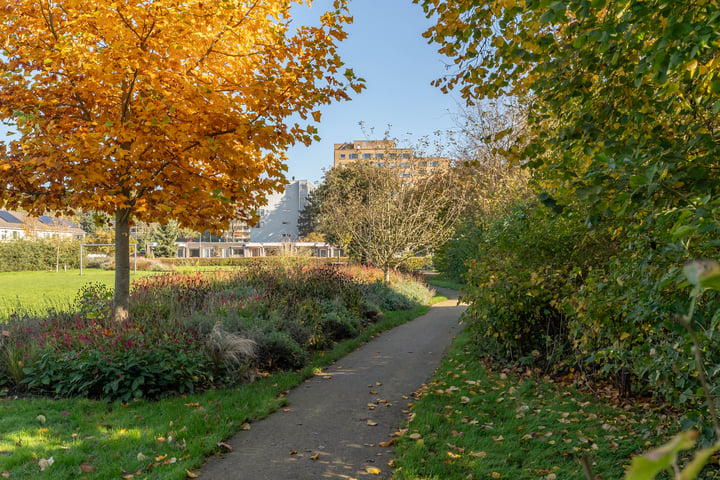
pixel 279 218
pixel 384 153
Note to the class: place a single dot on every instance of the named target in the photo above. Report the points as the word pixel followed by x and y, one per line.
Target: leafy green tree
pixel 625 97
pixel 165 236
pixel 308 220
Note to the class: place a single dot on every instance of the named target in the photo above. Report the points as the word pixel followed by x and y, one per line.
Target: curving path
pixel 329 430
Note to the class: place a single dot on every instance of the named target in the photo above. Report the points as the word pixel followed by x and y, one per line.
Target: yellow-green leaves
pixel 648 466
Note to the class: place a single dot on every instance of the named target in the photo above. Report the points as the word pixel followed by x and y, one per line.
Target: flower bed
pixel 194 331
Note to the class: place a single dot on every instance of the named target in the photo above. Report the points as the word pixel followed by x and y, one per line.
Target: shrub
pixel 22 255
pixel 279 350
pixel 125 375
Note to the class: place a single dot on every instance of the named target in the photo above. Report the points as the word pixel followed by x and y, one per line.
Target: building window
pixel 379 164
pixel 342 156
pixel 391 165
pixel 406 155
pixel 379 155
pixel 434 164
pixel 366 156
pixel 405 174
pixel 422 164
pixel 405 165
pixel 393 155
pixel 421 173
pixel 353 156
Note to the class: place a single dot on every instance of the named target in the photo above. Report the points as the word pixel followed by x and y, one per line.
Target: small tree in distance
pixel 382 219
pixel 159 109
pixel 165 236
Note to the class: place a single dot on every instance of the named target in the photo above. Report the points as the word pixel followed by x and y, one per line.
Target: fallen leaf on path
pixel 245 426
pixel 371 423
pixel 293 452
pixel 315 457
pixel 223 444
pixel 372 470
pixel 191 474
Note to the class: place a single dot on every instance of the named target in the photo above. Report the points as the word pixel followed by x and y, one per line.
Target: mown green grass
pixel 473 423
pixel 442 281
pixel 154 440
pixel 43 291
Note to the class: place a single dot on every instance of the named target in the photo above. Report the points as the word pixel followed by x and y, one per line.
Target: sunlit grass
pixel 40 292
pixel 443 281
pixel 475 423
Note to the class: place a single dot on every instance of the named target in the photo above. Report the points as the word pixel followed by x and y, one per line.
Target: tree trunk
pixel 121 299
pixel 386 271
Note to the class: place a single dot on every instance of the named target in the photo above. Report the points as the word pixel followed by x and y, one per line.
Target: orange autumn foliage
pixel 151 110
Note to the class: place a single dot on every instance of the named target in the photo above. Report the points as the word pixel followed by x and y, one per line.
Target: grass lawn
pixel 41 291
pixel 167 439
pixel 473 423
pixel 442 281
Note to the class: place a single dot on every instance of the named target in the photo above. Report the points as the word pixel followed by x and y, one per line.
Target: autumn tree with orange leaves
pixel 154 110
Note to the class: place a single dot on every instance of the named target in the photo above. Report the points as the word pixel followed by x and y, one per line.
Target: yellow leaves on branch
pixel 158 106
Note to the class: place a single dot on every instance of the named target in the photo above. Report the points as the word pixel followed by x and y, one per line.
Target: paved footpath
pixel 328 430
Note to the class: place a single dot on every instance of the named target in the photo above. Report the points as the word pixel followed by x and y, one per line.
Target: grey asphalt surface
pixel 329 414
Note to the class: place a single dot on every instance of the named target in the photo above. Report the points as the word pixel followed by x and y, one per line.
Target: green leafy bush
pixel 279 350
pixel 41 254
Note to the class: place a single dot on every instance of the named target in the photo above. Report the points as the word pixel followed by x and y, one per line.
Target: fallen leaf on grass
pixel 86 468
pixel 223 444
pixel 141 457
pixel 191 474
pixel 45 463
pixel 5 474
pixel 41 418
pixel 245 426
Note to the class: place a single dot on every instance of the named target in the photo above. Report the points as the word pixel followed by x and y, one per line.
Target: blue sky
pixel 385 47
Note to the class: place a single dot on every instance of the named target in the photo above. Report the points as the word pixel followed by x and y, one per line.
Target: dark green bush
pixel 278 350
pixel 24 255
pixel 125 376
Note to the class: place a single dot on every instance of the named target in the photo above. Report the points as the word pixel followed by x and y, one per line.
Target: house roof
pixel 17 220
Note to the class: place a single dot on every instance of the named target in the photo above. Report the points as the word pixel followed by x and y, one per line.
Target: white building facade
pixel 279 218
